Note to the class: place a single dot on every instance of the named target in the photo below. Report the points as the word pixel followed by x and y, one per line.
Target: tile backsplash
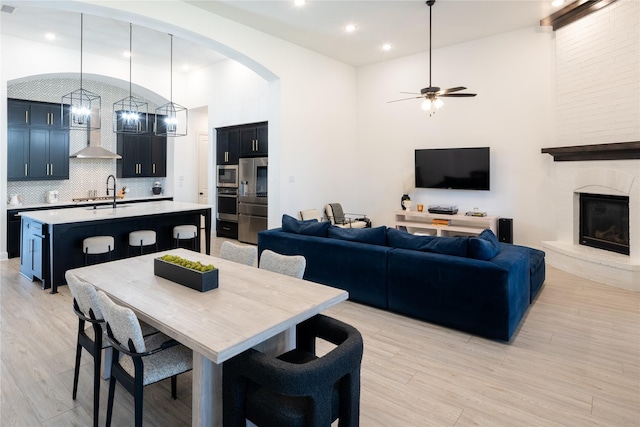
pixel 84 174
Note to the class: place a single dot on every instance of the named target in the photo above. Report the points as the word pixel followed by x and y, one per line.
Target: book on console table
pixel 438 221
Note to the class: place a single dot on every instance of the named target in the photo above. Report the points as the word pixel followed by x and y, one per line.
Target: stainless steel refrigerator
pixel 252 199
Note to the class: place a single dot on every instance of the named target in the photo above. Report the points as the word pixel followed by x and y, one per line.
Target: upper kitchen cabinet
pixel 36 150
pixel 143 155
pixel 254 140
pixel 18 112
pixel 228 147
pixel 32 113
pixel 43 114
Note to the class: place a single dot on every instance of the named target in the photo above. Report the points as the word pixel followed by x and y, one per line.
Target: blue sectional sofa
pixel 474 284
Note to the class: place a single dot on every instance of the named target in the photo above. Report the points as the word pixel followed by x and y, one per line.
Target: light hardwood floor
pixel 574 361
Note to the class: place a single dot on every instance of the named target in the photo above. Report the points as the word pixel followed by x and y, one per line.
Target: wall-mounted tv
pixel 453 168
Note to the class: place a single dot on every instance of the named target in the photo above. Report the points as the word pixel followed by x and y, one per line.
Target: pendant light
pixel 81 108
pixel 171 118
pixel 130 114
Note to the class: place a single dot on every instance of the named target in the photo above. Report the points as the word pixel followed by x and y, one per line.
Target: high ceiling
pixel 318 25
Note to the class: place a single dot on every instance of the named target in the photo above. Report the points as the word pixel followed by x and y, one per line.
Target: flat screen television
pixel 453 168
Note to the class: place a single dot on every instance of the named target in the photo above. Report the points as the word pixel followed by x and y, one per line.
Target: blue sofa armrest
pixel 487 298
pixel 359 268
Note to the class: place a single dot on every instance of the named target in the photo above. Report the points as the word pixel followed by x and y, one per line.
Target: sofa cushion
pixel 310 227
pixel 456 246
pixel 485 246
pixel 373 236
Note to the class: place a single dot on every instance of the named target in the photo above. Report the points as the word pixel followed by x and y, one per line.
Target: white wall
pixel 512 114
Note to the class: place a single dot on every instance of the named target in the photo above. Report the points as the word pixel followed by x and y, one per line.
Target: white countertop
pixel 87 203
pixel 83 214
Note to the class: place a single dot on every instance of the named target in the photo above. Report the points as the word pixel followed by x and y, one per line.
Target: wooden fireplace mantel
pixel 613 151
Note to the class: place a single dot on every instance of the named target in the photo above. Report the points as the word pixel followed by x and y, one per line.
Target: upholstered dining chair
pixel 291 265
pixel 240 254
pixel 144 360
pixel 92 338
pixel 297 388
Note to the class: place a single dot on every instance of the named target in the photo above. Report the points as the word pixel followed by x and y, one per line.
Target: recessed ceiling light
pixel 126 54
pixel 186 67
pixel 50 36
pixel 556 3
pixel 299 2
pixel 350 28
pixel 386 46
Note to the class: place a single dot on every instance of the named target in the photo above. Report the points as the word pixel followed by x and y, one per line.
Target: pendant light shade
pixel 130 114
pixel 171 118
pixel 81 108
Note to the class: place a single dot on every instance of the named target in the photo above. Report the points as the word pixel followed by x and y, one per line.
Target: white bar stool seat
pixel 141 238
pixel 185 232
pixel 97 245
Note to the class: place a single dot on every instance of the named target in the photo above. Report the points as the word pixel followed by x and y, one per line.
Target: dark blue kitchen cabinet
pixel 37 143
pixel 143 155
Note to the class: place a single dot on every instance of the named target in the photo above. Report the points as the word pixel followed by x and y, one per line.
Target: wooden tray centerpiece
pixel 192 274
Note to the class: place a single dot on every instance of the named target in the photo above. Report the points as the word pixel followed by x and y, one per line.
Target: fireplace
pixel 604 222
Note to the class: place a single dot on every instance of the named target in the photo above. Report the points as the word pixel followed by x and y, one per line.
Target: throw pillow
pixel 456 246
pixel 484 247
pixel 373 236
pixel 310 227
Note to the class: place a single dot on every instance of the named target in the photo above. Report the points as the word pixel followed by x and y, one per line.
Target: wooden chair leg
pixel 76 371
pixel 138 403
pixel 97 358
pixel 112 389
pixel 174 387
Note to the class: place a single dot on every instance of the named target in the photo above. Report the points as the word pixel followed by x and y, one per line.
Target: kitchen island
pixel 51 240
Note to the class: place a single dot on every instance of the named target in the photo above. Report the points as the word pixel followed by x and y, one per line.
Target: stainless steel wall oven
pixel 227 199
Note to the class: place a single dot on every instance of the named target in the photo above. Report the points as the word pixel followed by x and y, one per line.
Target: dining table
pixel 250 308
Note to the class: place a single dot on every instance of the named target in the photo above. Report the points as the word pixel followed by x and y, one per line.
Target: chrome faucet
pixel 114 189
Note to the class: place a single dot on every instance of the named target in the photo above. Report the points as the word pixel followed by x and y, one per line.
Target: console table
pixel 420 222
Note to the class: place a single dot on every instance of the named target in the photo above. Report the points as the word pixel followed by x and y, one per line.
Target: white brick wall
pixel 598 77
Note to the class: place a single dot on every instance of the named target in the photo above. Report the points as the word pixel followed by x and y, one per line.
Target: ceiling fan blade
pixel 460 95
pixel 404 99
pixel 450 90
pixel 411 93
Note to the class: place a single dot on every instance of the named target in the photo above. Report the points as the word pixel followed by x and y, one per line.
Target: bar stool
pixel 142 238
pixel 97 245
pixel 185 232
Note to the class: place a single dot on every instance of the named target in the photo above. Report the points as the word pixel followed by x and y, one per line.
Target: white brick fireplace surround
pixel 610 177
pixel 597 71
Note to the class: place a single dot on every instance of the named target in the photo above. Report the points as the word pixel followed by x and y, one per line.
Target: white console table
pixel 420 222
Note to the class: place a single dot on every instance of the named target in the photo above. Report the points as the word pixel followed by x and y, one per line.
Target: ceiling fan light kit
pixel 432 95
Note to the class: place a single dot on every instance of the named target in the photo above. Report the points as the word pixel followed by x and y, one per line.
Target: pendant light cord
pixel 171 72
pixel 130 55
pixel 81 37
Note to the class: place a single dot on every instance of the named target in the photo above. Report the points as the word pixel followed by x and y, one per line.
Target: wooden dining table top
pixel 249 306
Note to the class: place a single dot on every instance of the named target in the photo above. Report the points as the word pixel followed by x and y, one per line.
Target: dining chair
pixel 92 338
pixel 297 388
pixel 144 360
pixel 291 265
pixel 240 254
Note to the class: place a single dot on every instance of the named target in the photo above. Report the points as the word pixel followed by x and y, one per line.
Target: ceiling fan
pixel 432 94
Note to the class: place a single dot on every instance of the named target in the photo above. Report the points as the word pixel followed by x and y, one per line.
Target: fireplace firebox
pixel 604 222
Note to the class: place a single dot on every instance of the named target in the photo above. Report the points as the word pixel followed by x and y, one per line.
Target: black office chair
pixel 297 388
pixel 144 361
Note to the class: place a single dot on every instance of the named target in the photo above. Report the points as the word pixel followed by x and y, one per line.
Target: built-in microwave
pixel 227 176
